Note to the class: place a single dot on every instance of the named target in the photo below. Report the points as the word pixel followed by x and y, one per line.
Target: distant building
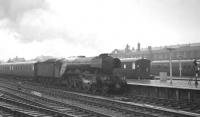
pixel 183 51
pixel 16 59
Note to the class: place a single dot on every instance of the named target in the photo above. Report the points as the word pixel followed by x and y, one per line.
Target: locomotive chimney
pixel 138 47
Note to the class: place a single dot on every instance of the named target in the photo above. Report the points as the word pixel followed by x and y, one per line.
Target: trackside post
pixel 196 68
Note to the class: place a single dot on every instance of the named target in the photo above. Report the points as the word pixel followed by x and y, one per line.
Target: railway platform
pixel 180 84
pixel 179 90
pixel 177 78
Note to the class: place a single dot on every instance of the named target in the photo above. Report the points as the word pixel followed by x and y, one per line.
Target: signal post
pixel 197 69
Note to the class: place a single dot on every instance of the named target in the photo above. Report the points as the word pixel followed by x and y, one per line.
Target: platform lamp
pixel 180 65
pixel 170 62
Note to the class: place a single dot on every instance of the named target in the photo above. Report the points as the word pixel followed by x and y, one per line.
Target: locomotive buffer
pixel 197 69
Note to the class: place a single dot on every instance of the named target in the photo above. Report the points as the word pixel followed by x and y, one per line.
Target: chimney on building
pixel 150 56
pixel 138 46
pixel 127 49
pixel 149 48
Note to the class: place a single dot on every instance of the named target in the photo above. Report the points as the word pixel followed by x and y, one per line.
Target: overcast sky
pixel 61 28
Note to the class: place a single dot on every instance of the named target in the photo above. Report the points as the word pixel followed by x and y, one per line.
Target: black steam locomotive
pixel 95 74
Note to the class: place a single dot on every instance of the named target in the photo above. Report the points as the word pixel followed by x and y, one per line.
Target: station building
pixel 183 51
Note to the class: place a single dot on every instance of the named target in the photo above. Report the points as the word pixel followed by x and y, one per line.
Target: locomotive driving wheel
pixel 104 89
pixel 93 89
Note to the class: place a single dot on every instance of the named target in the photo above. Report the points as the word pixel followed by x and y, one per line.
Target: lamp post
pixel 170 62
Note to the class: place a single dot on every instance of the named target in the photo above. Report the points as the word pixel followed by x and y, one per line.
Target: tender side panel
pixel 45 69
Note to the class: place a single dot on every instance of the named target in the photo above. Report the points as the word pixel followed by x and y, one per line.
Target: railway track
pixel 44 105
pixel 126 107
pixel 109 106
pixel 14 108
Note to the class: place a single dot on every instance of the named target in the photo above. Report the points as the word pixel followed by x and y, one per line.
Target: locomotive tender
pixel 96 74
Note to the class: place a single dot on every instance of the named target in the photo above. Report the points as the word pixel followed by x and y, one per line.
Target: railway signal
pixel 195 62
pixel 196 68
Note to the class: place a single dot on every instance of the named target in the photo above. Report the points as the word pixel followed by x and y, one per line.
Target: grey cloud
pixel 31 20
pixel 13 13
pixel 13 9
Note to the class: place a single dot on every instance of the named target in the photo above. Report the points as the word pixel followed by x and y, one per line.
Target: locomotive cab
pixel 108 78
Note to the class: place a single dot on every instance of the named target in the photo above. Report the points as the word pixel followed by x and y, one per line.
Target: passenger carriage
pixel 18 69
pixel 136 68
pixel 186 67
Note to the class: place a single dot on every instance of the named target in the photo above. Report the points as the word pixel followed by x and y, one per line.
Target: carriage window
pixel 124 66
pixel 133 66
